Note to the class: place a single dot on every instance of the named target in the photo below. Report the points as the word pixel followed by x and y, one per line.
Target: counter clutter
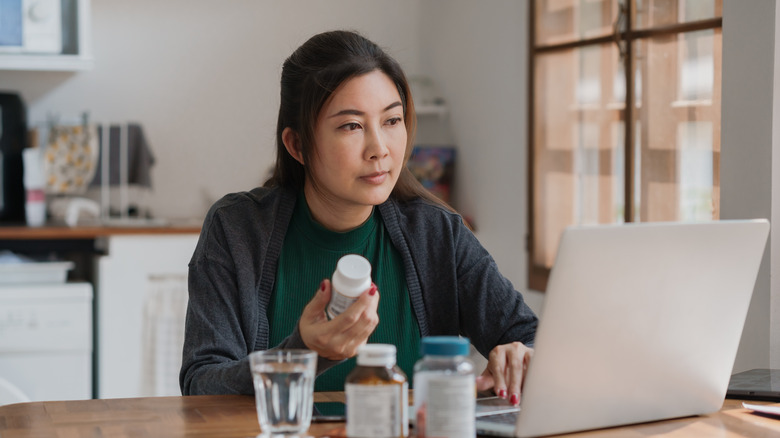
pixel 16 269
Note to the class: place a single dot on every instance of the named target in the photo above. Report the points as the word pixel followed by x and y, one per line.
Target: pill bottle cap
pixel 445 346
pixel 376 355
pixel 353 275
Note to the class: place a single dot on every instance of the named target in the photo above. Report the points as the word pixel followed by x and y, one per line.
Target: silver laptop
pixel 641 322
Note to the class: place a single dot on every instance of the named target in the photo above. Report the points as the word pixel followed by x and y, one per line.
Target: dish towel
pixel 139 156
pixel 70 158
pixel 165 307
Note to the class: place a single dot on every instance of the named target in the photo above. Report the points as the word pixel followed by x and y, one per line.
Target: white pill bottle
pixel 351 278
pixel 445 389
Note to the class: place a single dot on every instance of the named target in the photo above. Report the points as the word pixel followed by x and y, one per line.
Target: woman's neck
pixel 333 215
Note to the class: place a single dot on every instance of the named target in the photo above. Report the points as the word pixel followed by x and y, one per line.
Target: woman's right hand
pixel 340 337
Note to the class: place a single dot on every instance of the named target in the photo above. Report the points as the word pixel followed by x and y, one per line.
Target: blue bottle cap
pixel 445 346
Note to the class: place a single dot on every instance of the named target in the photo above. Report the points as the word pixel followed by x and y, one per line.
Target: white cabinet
pixel 141 291
pixel 77 44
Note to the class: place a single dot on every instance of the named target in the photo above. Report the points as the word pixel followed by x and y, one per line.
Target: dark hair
pixel 310 76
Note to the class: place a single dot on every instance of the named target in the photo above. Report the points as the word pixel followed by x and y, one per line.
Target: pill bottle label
pixel 450 406
pixel 338 304
pixel 375 411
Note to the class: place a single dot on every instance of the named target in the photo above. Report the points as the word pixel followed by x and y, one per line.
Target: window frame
pixel 539 275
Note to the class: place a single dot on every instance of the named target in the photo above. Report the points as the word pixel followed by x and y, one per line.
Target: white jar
pixel 351 278
pixel 445 388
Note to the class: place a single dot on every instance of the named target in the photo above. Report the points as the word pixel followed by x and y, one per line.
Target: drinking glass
pixel 284 387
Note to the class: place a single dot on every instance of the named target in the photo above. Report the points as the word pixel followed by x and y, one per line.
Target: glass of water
pixel 284 387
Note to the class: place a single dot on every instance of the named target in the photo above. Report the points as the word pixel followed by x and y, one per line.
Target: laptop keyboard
pixel 505 418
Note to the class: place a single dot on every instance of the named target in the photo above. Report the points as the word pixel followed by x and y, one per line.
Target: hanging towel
pixel 139 156
pixel 165 308
pixel 69 159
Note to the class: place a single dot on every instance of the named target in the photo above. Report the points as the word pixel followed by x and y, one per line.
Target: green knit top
pixel 310 253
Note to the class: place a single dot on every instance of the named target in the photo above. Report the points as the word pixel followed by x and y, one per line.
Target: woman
pixel 345 131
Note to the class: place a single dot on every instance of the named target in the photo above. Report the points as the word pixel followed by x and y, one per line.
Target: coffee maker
pixel 13 139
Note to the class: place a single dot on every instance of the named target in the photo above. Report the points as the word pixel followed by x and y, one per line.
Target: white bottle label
pixel 377 411
pixel 339 303
pixel 450 406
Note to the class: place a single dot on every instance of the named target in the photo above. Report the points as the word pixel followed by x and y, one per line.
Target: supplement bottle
pixel 444 389
pixel 377 395
pixel 351 278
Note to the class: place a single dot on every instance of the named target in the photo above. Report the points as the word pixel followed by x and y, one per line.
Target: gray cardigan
pixel 453 282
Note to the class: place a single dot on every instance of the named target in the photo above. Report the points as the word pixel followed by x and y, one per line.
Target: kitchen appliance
pixel 13 139
pixel 46 340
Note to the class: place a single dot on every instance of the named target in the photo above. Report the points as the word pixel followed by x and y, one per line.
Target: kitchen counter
pixel 82 243
pixel 55 232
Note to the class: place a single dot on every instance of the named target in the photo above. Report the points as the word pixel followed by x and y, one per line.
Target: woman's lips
pixel 375 178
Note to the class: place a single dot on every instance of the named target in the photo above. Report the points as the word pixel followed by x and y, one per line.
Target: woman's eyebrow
pixel 393 105
pixel 354 112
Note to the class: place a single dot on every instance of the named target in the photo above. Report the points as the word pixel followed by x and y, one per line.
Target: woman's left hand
pixel 505 371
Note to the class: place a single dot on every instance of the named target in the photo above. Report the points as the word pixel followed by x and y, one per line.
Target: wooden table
pixel 235 416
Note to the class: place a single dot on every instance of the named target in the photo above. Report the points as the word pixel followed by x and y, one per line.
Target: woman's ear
pixel 292 142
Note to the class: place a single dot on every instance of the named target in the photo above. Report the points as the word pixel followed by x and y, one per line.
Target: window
pixel 625 119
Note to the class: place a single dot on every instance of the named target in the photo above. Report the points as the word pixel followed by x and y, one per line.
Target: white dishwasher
pixel 46 340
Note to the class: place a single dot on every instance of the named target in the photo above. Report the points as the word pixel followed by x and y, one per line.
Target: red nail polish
pixel 372 291
pixel 502 393
pixel 322 286
pixel 514 399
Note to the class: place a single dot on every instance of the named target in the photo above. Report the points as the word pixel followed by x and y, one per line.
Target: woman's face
pixel 360 140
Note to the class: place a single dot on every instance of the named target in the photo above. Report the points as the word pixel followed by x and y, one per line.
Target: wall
pixel 478 57
pixel 774 291
pixel 749 135
pixel 202 78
